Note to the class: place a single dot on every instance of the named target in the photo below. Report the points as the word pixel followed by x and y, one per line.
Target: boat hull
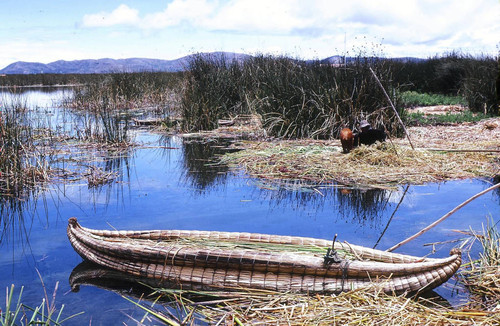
pixel 163 256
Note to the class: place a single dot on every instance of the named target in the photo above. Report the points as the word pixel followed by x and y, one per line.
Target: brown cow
pixel 346 139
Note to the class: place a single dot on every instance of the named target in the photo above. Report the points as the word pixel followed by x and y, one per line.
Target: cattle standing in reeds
pixel 346 139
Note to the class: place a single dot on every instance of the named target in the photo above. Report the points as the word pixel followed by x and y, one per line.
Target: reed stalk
pixel 18 313
pixel 22 164
pixel 359 307
pixel 481 276
pixel 296 99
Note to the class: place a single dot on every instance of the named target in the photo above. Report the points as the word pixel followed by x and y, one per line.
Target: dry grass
pixel 484 134
pixel 386 164
pixel 360 307
pixel 239 127
pixel 482 276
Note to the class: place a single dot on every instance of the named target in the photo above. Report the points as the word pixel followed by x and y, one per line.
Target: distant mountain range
pixel 129 65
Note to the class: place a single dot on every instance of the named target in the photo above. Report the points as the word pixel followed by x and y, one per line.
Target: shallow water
pixel 163 188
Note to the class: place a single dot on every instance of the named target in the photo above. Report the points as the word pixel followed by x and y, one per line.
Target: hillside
pixel 108 65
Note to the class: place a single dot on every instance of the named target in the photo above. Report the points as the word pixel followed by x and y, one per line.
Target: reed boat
pixel 235 260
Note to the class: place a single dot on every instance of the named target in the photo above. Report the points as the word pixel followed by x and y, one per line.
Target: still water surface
pixel 163 188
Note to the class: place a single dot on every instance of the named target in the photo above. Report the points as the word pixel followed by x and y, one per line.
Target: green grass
pixel 412 99
pixel 420 119
pixel 17 313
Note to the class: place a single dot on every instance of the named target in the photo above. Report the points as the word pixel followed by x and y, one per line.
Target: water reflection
pixel 15 217
pixel 49 90
pixel 38 97
pixel 362 206
pixel 137 288
pixel 110 176
pixel 200 159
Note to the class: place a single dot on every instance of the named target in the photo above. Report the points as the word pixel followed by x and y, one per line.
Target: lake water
pixel 172 188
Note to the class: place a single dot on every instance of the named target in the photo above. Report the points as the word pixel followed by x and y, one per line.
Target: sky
pixel 51 30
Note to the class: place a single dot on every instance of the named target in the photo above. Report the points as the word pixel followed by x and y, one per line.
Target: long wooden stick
pixel 463 150
pixel 393 107
pixel 392 216
pixel 430 226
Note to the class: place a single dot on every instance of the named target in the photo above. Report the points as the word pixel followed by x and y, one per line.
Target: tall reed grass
pixel 22 165
pixel 106 105
pixel 131 90
pixel 295 98
pixel 102 116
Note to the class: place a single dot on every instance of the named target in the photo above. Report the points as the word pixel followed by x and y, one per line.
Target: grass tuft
pixel 20 314
pixel 482 275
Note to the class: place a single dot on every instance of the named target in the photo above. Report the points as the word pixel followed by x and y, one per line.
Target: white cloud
pixel 123 15
pixel 178 11
pixel 263 16
pixel 415 24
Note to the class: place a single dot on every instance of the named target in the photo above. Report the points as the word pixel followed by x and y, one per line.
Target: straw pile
pixel 359 307
pixel 484 134
pixel 379 165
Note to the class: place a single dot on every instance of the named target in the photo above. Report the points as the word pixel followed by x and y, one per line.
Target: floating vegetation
pixel 33 152
pixel 457 152
pixel 380 165
pixel 97 176
pixel 242 126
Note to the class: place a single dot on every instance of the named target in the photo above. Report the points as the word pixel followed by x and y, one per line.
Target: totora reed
pixel 232 260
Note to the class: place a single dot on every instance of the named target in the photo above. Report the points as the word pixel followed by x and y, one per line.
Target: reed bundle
pixel 153 254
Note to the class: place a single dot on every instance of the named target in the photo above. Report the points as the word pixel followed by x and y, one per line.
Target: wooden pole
pixel 394 108
pixel 463 150
pixel 444 217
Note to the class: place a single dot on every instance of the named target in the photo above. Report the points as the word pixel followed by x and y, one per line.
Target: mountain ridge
pixel 109 65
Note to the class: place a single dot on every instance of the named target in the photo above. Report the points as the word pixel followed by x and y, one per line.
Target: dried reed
pixel 359 307
pixel 380 165
pixel 482 276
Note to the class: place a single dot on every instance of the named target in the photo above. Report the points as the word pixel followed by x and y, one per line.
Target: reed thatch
pixel 245 260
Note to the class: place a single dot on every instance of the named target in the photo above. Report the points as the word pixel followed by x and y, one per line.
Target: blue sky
pixel 50 30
